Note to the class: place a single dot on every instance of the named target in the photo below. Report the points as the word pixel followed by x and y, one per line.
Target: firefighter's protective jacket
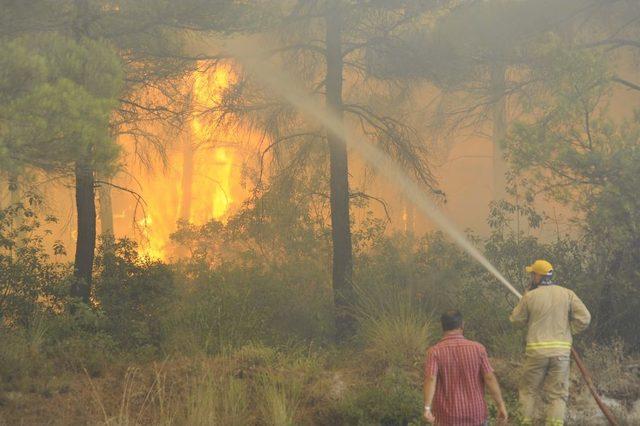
pixel 552 313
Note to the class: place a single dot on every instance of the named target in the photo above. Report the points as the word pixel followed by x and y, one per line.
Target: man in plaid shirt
pixel 456 372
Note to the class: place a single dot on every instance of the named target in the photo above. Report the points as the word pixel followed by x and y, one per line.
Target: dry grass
pixel 254 385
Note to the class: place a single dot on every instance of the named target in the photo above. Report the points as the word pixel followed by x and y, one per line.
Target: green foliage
pixel 247 280
pixel 394 331
pixel 61 103
pixel 232 305
pixel 135 295
pixel 413 280
pixel 574 151
pixel 21 357
pixel 394 399
pixel 83 351
pixel 30 282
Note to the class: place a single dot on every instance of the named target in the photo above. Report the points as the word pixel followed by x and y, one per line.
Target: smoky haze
pixel 286 87
pixel 220 212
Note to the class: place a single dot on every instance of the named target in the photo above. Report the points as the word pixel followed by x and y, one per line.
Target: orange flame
pixel 207 93
pixel 201 181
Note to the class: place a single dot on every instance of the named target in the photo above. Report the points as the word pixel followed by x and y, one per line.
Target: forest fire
pixel 209 134
pixel 200 183
pixel 190 190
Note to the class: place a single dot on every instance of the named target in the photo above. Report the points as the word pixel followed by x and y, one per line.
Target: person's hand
pixel 428 415
pixel 503 416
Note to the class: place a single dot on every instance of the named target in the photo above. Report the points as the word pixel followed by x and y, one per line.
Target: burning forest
pixel 297 212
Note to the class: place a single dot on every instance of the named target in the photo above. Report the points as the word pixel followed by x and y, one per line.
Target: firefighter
pixel 552 314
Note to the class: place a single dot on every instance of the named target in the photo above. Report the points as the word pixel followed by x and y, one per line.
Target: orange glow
pixel 202 179
pixel 206 127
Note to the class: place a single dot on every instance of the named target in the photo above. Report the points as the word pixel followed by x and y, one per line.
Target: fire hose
pixel 589 382
pixel 587 378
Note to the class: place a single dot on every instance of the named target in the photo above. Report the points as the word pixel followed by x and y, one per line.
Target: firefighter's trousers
pixel 547 377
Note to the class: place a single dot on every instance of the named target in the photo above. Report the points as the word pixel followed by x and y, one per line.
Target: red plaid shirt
pixel 459 366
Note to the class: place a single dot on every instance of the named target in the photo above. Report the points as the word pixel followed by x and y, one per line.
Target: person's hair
pixel 451 320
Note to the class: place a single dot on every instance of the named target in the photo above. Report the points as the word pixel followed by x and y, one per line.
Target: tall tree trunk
pixel 85 192
pixel 86 239
pixel 187 179
pixel 499 130
pixel 339 180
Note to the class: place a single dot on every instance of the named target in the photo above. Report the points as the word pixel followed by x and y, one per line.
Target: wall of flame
pixel 208 148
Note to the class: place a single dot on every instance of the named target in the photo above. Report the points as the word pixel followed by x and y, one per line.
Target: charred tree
pixel 339 179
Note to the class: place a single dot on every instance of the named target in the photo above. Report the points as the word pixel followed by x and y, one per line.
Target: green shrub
pixel 135 294
pixel 93 353
pixel 392 400
pixel 31 281
pixel 231 305
pixel 79 342
pixel 21 359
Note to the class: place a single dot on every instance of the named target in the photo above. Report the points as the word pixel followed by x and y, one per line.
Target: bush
pixel 232 305
pixel 392 400
pixel 394 330
pixel 393 323
pixel 94 354
pixel 30 282
pixel 78 342
pixel 21 358
pixel 135 295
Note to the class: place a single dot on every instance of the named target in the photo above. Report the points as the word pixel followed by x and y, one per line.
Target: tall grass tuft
pixel 278 407
pixel 394 328
pixel 218 400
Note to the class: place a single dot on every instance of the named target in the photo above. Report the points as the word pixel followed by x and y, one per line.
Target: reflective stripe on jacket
pixel 552 314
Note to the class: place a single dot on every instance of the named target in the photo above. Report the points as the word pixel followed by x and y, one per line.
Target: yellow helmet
pixel 540 267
